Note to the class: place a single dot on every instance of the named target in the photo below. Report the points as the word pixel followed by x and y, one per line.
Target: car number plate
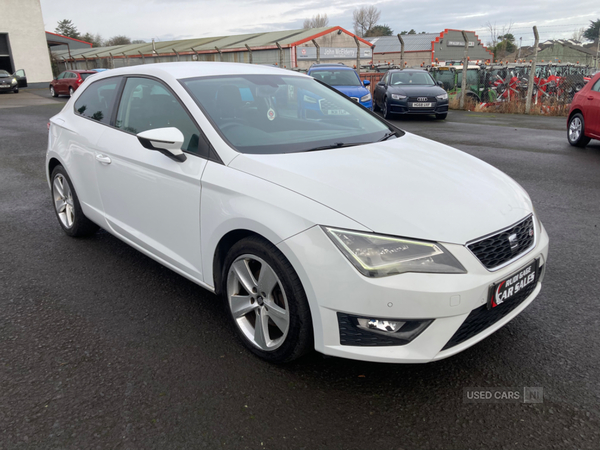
pixel 508 288
pixel 4 85
pixel 422 105
pixel 336 112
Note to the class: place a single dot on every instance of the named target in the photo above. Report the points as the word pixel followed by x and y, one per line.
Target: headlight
pixel 398 97
pixel 443 96
pixel 379 256
pixel 365 98
pixel 13 81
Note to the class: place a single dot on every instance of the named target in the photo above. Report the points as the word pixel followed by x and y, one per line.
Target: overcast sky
pixel 181 19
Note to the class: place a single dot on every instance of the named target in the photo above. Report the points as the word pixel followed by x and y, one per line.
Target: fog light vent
pixel 370 331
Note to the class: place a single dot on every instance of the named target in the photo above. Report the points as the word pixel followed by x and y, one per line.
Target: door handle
pixel 590 98
pixel 103 159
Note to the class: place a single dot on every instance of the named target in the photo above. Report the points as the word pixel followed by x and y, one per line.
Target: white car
pixel 319 224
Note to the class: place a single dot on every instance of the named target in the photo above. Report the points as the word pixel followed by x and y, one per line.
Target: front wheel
pixel 376 107
pixel 386 110
pixel 576 131
pixel 67 207
pixel 53 92
pixel 266 301
pixel 441 116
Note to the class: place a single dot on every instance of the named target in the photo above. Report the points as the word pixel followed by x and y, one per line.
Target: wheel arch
pixel 222 249
pixel 572 113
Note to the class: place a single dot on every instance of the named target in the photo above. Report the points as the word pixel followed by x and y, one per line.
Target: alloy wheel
pixel 63 201
pixel 258 302
pixel 575 129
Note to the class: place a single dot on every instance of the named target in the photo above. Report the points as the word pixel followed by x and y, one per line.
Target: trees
pixel 94 39
pixel 365 18
pixel 578 34
pixel 412 31
pixel 67 28
pixel 118 40
pixel 379 30
pixel 591 33
pixel 317 21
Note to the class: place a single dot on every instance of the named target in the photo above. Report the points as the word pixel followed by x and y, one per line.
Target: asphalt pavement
pixel 101 347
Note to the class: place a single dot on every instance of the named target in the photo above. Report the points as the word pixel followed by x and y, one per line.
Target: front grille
pixel 496 250
pixel 482 318
pixel 415 99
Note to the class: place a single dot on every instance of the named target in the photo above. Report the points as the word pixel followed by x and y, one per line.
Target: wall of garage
pixel 412 59
pixel 334 40
pixel 23 27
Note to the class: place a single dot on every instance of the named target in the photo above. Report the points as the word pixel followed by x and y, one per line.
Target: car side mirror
pixel 381 83
pixel 366 82
pixel 440 84
pixel 168 141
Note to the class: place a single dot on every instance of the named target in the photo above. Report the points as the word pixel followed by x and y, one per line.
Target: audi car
pixel 410 91
pixel 336 232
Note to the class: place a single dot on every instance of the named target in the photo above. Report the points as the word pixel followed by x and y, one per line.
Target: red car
pixel 583 123
pixel 68 82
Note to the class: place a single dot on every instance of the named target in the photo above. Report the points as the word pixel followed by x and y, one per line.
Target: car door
pixel 592 109
pixel 149 199
pixel 21 78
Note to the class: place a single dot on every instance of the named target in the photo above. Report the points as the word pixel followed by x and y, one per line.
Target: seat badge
pixel 514 244
pixel 271 114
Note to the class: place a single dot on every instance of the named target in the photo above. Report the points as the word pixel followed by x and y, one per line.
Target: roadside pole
pixel 463 84
pixel 401 51
pixel 598 50
pixel 532 72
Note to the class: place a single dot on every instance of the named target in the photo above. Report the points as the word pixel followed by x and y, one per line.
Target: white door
pixel 148 198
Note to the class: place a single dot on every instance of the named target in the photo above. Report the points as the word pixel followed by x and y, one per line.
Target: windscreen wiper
pixel 336 145
pixel 386 136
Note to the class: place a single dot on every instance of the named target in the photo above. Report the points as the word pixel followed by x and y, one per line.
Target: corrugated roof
pixel 254 40
pixel 412 42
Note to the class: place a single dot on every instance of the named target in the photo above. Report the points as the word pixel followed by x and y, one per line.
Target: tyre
pixel 386 110
pixel 266 301
pixel 441 116
pixel 376 107
pixel 53 92
pixel 67 207
pixel 16 91
pixel 71 92
pixel 576 131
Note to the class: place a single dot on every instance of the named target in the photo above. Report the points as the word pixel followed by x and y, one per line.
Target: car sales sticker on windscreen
pixel 510 287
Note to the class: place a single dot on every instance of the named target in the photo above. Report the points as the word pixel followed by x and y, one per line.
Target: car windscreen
pixel 336 77
pixel 4 74
pixel 420 78
pixel 272 114
pixel 85 75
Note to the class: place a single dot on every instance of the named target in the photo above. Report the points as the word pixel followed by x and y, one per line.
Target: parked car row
pixel 583 123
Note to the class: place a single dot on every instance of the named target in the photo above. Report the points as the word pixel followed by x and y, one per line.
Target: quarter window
pixel 147 104
pixel 596 87
pixel 96 101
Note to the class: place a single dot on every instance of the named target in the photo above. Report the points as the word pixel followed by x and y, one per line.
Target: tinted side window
pixel 147 104
pixel 96 101
pixel 61 76
pixel 596 87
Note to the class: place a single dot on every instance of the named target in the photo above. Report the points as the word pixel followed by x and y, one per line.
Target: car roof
pixel 330 66
pixel 193 69
pixel 80 71
pixel 407 70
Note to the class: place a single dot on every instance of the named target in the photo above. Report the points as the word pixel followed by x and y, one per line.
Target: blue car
pixel 345 80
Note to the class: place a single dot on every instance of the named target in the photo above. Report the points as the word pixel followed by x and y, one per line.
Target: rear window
pixel 85 75
pixel 97 100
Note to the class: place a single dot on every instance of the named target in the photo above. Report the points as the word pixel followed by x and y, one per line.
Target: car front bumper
pixel 335 288
pixel 405 107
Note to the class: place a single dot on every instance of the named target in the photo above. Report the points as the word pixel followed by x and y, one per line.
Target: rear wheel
pixel 576 131
pixel 71 91
pixel 67 207
pixel 266 301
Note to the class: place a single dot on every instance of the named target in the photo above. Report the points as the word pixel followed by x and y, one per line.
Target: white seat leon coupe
pixel 319 224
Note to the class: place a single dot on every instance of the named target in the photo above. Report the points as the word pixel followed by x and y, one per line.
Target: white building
pixel 23 40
